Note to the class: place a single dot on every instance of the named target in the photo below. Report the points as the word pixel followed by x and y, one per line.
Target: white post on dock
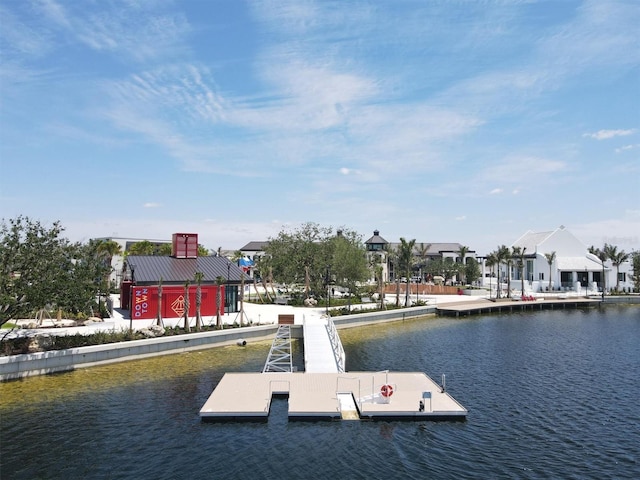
pixel 444 383
pixel 427 395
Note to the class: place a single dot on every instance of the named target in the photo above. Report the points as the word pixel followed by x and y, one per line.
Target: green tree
pixel 108 249
pixel 462 253
pixel 422 253
pixel 635 266
pixel 491 261
pixel 41 269
pixel 349 260
pixel 444 267
pixel 617 258
pixel 518 253
pixel 291 256
pixel 471 270
pixel 602 256
pixel 406 261
pixel 551 257
pixel 145 247
pixel 503 255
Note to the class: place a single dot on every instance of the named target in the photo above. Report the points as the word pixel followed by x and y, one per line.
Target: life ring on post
pixel 386 391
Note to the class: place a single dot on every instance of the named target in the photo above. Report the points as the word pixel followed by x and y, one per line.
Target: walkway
pixel 509 305
pixel 323 351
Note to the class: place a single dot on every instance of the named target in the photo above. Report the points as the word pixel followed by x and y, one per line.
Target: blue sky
pixel 444 121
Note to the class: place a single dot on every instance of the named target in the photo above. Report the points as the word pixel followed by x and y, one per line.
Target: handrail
pixel 279 358
pixel 336 345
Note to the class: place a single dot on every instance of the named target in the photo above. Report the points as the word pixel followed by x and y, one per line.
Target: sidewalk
pixel 254 314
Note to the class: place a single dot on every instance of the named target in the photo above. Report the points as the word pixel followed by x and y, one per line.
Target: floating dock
pixel 331 396
pixel 480 306
pixel 324 391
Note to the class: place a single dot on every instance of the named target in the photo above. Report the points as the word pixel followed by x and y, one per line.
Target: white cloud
pixel 627 147
pixel 461 218
pixel 607 134
pixel 152 205
pixel 495 191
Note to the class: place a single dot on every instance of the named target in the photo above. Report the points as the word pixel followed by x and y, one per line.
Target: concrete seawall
pixel 42 363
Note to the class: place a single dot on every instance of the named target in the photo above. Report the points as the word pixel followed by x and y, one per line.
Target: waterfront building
pixel 146 277
pixel 573 268
pixel 380 251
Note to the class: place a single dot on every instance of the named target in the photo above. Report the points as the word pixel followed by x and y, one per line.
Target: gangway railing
pixel 336 345
pixel 280 359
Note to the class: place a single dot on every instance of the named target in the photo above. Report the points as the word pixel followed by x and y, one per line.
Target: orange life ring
pixel 386 390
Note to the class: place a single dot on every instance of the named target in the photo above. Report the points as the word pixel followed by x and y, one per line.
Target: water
pixel 550 394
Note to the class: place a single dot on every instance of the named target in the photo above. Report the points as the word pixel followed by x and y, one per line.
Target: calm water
pixel 551 394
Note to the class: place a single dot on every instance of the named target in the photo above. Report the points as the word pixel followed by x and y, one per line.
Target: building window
pixel 566 279
pixel 540 276
pixel 622 277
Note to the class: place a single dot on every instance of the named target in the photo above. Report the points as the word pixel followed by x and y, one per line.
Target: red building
pixel 139 291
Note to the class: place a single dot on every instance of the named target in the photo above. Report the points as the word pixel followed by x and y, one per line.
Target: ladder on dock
pixel 279 359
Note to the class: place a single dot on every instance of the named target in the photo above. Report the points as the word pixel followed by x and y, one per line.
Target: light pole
pixel 586 282
pixel 326 281
pixel 226 289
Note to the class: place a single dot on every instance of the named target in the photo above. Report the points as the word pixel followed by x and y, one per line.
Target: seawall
pixel 43 363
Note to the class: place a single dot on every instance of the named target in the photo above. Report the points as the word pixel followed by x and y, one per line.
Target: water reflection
pixel 550 395
pixel 181 369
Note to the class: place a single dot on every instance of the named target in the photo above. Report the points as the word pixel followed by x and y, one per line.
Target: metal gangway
pixel 323 351
pixel 279 358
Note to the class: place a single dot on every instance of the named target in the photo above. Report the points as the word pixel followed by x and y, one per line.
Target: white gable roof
pixel 561 241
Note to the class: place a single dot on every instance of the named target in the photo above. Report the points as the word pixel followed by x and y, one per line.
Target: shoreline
pixel 19 366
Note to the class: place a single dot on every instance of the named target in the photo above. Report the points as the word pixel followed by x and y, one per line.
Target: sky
pixel 459 121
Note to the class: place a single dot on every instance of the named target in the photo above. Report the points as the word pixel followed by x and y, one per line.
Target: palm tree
pixel 422 253
pixel 159 314
pixel 393 258
pixel 463 253
pixel 107 249
pixel 617 259
pixel 509 259
pixel 220 280
pixel 405 262
pixel 518 253
pixel 198 277
pixel 551 257
pixel 602 256
pixel 491 262
pixel 502 256
pixel 380 280
pixel 187 327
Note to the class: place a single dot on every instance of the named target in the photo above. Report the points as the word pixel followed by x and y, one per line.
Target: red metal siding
pixel 184 245
pixel 125 294
pixel 144 301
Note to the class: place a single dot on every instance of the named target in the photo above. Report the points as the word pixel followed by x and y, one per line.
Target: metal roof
pixel 254 247
pixel 434 248
pixel 376 238
pixel 530 240
pixel 149 269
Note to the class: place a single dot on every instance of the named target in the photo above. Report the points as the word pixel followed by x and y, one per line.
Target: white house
pixel 573 268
